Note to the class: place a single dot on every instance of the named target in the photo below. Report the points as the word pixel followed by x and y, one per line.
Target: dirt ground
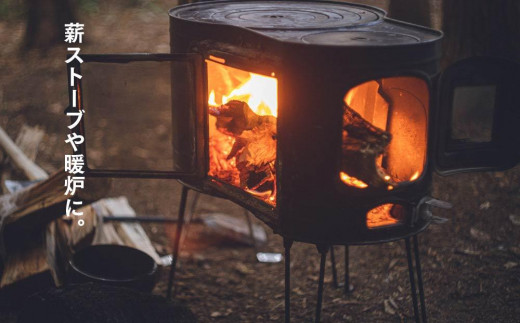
pixel 470 264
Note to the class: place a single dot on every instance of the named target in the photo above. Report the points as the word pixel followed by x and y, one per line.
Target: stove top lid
pixel 323 23
pixel 360 37
pixel 281 15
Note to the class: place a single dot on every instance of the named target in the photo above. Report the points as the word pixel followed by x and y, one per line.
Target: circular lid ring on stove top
pixel 280 15
pixel 360 37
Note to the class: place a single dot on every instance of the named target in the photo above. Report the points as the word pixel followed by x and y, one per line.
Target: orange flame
pixel 352 181
pixel 226 83
pixel 259 91
pixel 381 216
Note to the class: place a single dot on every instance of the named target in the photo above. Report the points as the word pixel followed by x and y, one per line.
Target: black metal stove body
pixel 319 53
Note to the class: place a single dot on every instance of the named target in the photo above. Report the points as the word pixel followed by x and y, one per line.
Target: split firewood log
pixel 363 143
pixel 235 116
pixel 31 170
pixel 37 205
pixel 31 266
pixel 254 148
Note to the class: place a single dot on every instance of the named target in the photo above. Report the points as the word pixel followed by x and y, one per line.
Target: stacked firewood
pixel 36 239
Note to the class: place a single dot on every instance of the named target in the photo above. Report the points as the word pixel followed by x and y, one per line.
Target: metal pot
pixel 113 265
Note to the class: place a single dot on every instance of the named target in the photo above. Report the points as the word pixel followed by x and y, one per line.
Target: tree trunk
pixel 45 22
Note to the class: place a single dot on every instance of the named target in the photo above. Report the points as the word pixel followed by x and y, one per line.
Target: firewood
pixel 122 233
pixel 31 170
pixel 28 140
pixel 131 234
pixel 235 116
pixel 45 201
pixel 31 266
pixel 254 148
pixel 363 143
pixel 71 236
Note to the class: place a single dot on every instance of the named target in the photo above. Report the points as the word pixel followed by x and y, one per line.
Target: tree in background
pixel 45 22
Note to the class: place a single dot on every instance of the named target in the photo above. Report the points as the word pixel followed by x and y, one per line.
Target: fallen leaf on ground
pixel 486 205
pixel 468 252
pixel 388 307
pixel 479 235
pixel 243 269
pixel 392 263
pixel 515 219
pixel 219 314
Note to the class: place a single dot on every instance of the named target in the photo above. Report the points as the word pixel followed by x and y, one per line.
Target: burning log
pixel 235 116
pixel 363 143
pixel 254 148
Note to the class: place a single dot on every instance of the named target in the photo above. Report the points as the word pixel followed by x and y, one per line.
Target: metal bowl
pixel 113 265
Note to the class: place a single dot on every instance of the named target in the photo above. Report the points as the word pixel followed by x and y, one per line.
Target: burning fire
pixel 381 216
pixel 259 92
pixel 352 181
pixel 414 176
pixel 242 129
pixel 372 113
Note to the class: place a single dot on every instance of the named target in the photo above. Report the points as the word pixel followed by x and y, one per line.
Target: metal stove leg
pixel 419 277
pixel 333 265
pixel 287 245
pixel 346 289
pixel 251 231
pixel 412 279
pixel 177 240
pixel 323 252
pixel 194 203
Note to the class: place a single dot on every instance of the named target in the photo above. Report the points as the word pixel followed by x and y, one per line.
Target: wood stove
pixel 324 119
pixel 319 59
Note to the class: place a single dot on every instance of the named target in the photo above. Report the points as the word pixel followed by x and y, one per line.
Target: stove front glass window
pixel 242 129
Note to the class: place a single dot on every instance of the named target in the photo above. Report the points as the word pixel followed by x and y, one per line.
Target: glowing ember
pixel 351 181
pixel 242 129
pixel 381 216
pixel 414 176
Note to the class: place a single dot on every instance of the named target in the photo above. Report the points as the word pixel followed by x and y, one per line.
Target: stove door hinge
pixel 424 210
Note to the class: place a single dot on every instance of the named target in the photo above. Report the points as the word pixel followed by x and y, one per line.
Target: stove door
pixel 143 114
pixel 479 116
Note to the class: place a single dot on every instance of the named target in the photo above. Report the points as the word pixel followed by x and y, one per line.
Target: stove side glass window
pixel 242 129
pixel 385 132
pixel 384 139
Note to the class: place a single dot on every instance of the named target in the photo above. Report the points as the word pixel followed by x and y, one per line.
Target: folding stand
pixel 413 270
